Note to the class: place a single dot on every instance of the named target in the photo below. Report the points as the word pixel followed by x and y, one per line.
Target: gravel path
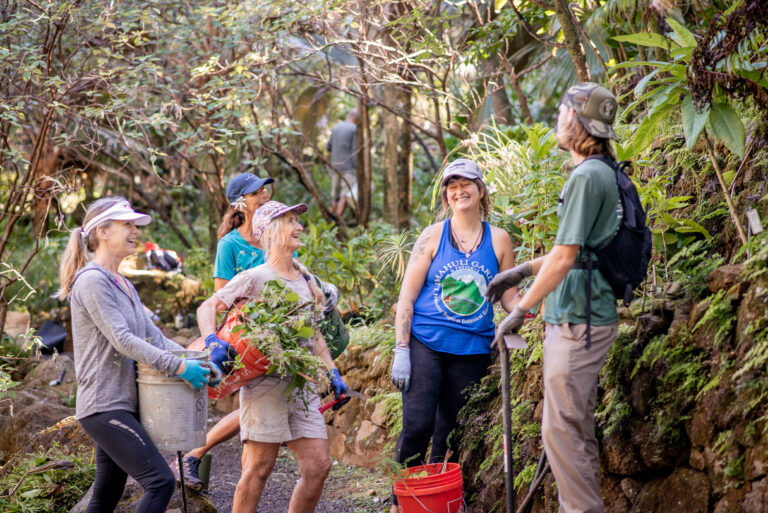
pixel 348 489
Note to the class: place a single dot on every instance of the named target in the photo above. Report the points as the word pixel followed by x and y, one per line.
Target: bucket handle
pixel 461 510
pixel 215 375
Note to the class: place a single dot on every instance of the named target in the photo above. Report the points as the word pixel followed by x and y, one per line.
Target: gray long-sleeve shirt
pixel 111 331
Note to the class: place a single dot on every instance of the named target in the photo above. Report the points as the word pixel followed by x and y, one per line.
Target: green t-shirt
pixel 235 255
pixel 590 213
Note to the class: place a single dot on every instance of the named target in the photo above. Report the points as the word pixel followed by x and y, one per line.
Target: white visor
pixel 119 212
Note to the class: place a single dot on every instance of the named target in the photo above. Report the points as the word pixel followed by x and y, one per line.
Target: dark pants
pixel 123 448
pixel 433 400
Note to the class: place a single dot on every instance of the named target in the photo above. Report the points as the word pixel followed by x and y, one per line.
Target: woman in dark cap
pixel 237 249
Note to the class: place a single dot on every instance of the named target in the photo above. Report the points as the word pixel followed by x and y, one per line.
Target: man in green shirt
pixel 589 215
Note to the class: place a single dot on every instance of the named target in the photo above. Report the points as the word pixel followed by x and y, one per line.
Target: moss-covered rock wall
pixel 682 416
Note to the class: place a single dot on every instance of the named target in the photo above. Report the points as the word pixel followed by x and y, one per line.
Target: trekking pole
pixel 181 479
pixel 506 416
pixel 542 469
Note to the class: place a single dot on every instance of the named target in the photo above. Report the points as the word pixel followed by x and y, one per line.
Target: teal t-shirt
pixel 589 214
pixel 234 255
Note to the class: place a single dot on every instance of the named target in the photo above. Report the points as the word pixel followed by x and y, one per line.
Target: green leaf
pixel 640 87
pixel 727 125
pixel 643 136
pixel 632 64
pixel 292 297
pixel 693 122
pixel 692 227
pixel 685 35
pixel 305 332
pixel 645 39
pixel 499 4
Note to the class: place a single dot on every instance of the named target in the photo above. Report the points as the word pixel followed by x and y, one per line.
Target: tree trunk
pixel 213 218
pixel 572 40
pixel 391 129
pixel 521 99
pixel 3 310
pixel 363 144
pixel 404 162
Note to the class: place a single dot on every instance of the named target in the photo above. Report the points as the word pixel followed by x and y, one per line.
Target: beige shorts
pixel 266 415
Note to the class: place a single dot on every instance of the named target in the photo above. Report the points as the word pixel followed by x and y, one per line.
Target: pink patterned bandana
pixel 270 210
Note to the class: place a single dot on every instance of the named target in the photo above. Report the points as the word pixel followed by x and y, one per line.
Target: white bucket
pixel 172 412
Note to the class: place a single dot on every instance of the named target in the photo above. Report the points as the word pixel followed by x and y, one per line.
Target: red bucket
pixel 254 361
pixel 433 493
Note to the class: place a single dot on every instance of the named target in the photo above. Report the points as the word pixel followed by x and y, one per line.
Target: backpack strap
pixel 589 265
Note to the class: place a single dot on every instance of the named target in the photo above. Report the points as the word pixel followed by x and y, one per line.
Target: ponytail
pixel 79 248
pixel 232 219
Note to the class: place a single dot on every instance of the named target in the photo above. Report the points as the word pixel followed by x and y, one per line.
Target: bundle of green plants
pixel 278 324
pixel 45 482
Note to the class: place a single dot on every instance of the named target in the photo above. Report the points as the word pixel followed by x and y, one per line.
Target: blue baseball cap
pixel 245 183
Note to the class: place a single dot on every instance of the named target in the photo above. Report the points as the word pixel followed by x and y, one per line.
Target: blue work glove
pixel 331 294
pixel 337 384
pixel 511 324
pixel 401 368
pixel 222 354
pixel 506 280
pixel 195 373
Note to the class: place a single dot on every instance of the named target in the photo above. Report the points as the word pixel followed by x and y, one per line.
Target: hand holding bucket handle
pixel 214 379
pixel 195 373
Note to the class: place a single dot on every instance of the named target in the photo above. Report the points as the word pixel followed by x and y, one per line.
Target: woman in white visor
pixel 111 331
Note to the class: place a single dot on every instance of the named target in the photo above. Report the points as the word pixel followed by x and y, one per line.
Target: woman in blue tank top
pixel 444 325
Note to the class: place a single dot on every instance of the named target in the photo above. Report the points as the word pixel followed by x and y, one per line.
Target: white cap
pixel 118 212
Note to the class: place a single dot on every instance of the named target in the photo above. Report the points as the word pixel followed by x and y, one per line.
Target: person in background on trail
pixel 590 213
pixel 444 325
pixel 344 158
pixel 238 250
pixel 267 417
pixel 111 331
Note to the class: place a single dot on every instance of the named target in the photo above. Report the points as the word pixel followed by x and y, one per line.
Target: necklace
pixel 461 246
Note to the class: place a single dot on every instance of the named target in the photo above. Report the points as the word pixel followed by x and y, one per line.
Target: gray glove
pixel 506 280
pixel 511 324
pixel 331 294
pixel 401 368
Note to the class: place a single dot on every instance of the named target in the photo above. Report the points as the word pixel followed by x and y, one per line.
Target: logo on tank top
pixel 460 289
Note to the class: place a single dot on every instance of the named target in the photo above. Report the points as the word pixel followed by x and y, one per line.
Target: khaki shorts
pixel 344 189
pixel 266 415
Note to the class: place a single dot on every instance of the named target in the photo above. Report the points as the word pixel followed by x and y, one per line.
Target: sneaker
pixel 190 465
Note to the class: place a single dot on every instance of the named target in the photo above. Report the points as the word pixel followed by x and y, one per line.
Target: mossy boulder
pixel 164 293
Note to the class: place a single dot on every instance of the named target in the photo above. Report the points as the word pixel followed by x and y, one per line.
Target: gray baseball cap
pixel 596 107
pixel 464 168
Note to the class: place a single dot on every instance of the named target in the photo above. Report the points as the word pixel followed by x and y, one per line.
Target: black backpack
pixel 624 260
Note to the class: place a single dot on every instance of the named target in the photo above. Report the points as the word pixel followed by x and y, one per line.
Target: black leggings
pixel 123 448
pixel 433 400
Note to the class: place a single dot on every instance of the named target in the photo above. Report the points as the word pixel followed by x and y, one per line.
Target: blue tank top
pixel 451 314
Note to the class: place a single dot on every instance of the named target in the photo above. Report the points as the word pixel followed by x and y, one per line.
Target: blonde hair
pixel 274 237
pixel 575 137
pixel 79 248
pixel 485 199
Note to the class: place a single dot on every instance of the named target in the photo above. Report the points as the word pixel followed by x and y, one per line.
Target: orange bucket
pixel 433 493
pixel 254 361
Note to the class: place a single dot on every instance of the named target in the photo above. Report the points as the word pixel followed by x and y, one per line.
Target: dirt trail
pixel 348 489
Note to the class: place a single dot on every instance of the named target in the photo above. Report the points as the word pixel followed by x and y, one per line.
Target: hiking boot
pixel 190 465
